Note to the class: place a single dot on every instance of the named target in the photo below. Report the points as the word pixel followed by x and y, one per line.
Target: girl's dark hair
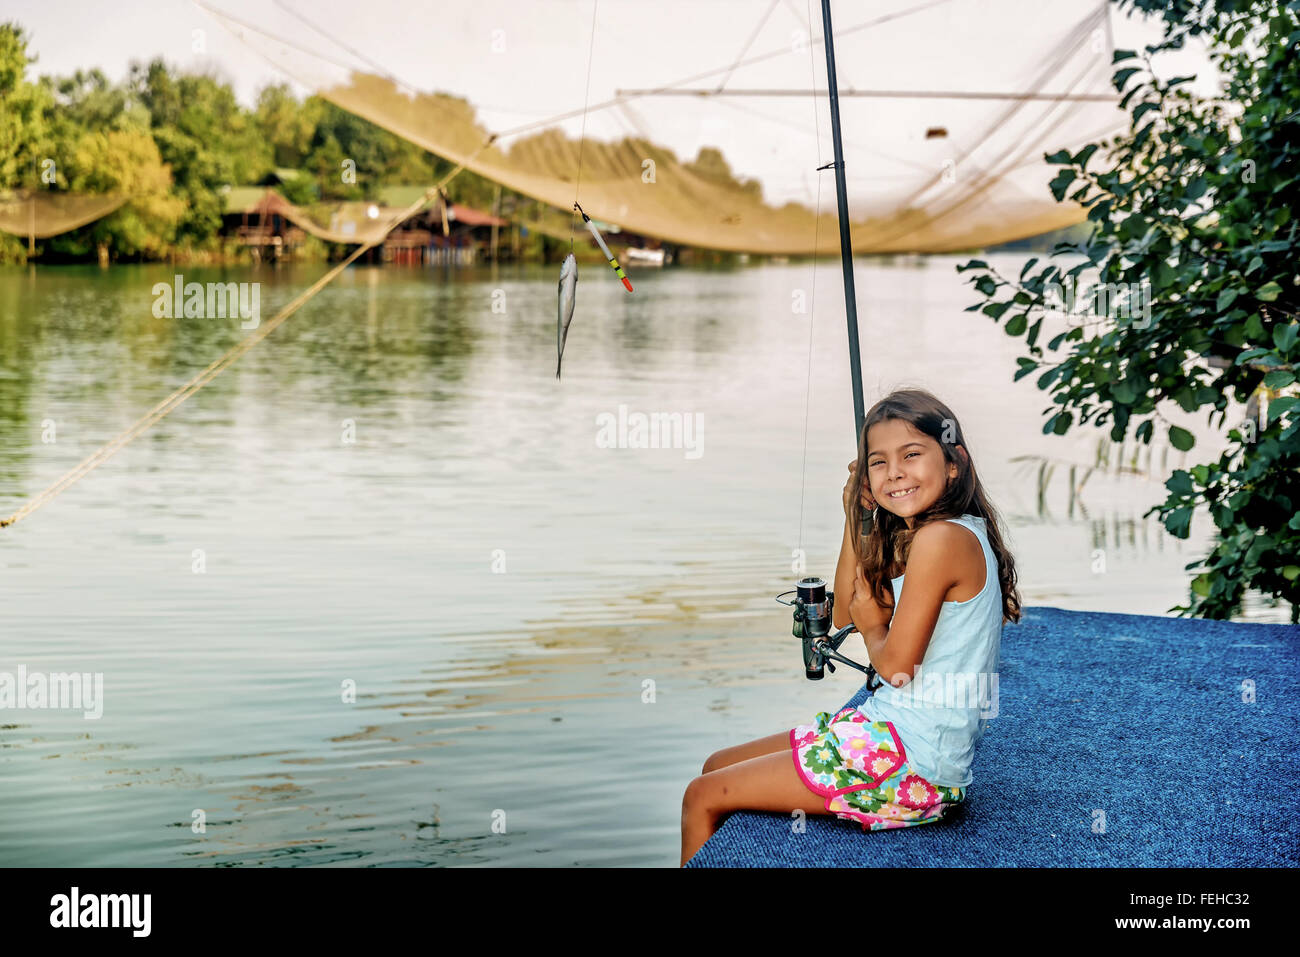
pixel 889 540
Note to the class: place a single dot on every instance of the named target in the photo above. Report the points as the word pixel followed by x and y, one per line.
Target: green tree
pixel 23 109
pixel 379 157
pixel 207 139
pixel 1195 205
pixel 287 125
pixel 125 161
pixel 87 100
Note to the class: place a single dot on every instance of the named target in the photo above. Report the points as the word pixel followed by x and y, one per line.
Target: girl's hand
pixel 863 609
pixel 865 497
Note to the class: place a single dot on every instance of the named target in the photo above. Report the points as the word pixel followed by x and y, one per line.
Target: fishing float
pixel 600 241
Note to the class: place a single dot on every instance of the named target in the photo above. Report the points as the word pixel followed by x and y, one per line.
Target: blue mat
pixel 1136 716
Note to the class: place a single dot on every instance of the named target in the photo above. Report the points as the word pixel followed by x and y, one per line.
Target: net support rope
pixel 106 451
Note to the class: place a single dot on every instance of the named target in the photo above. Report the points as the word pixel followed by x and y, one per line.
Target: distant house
pixel 451 233
pixel 443 233
pixel 257 217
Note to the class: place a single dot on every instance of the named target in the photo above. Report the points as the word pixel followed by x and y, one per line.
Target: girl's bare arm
pixel 930 574
pixel 845 571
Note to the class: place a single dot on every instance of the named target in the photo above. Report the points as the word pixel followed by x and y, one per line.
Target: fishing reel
pixel 812 624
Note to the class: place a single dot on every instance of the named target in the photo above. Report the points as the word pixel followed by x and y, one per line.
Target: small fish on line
pixel 568 296
pixel 600 241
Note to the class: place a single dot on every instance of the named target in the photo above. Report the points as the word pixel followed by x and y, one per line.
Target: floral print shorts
pixel 861 769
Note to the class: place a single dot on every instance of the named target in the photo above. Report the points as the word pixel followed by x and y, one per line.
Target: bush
pixel 1194 224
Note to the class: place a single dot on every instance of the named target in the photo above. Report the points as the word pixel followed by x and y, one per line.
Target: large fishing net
pixel 705 123
pixel 341 222
pixel 39 214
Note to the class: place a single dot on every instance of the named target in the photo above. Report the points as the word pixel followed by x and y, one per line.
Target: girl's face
pixel 902 459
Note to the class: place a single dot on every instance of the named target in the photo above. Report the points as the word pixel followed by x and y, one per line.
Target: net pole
pixel 846 241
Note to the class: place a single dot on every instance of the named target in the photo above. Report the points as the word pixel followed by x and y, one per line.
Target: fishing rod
pixel 846 241
pixel 812 602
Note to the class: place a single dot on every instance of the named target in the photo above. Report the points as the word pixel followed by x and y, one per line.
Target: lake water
pixel 393 493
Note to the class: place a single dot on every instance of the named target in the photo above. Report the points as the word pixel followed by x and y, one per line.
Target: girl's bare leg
pixel 768 782
pixel 750 749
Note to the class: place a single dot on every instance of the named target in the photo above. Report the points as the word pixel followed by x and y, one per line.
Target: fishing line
pixel 812 297
pixel 582 138
pixel 106 451
pixel 379 67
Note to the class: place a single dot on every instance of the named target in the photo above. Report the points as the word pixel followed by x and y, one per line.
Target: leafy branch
pixel 1194 242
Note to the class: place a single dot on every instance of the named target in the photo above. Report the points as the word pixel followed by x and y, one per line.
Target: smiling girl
pixel 904 757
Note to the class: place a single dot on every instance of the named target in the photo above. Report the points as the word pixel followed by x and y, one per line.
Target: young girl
pixel 904 757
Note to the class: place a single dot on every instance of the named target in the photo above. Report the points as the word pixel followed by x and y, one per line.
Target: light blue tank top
pixel 942 711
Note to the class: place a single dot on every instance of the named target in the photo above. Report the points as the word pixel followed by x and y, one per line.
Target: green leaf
pixel 1284 336
pixel 995 309
pixel 1123 392
pixel 1081 158
pixel 1254 327
pixel 1179 521
pixel 1057 158
pixel 1201 585
pixel 1279 379
pixel 1180 439
pixel 1016 325
pixel 1247 355
pixel 1121 77
pixel 1268 292
pixel 973 264
pixel 1058 185
pixel 1225 299
pixel 1277 407
pixel 1100 211
pixel 1291 572
pixel 1122 55
pixel 1143 108
pixel 1180 483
